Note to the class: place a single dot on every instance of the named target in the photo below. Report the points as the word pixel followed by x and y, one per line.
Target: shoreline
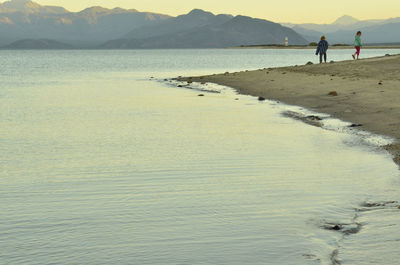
pixel 304 47
pixel 364 92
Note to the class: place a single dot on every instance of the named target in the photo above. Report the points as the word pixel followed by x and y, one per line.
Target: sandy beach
pixel 307 47
pixel 364 92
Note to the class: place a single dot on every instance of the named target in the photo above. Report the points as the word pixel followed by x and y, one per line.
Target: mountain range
pixel 23 22
pixel 27 25
pixel 24 19
pixel 200 29
pixel 344 28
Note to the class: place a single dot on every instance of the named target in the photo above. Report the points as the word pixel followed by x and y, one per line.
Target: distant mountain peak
pixel 95 9
pixel 20 4
pixel 29 7
pixel 242 17
pixel 196 12
pixel 346 20
pixel 120 10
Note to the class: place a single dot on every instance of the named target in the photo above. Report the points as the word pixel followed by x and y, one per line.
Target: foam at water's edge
pixel 322 120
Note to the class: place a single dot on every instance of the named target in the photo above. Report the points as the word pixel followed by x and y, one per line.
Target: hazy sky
pixel 276 10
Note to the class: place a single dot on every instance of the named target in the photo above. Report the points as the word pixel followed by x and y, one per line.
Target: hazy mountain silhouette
pixel 200 29
pixel 344 28
pixel 386 33
pixel 29 7
pixel 195 19
pixel 345 20
pixel 37 44
pixel 24 19
pixel 342 23
pixel 28 21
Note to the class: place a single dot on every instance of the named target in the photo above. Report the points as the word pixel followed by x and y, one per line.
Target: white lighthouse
pixel 286 41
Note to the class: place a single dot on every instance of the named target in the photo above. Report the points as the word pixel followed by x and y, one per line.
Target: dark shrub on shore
pixel 340 45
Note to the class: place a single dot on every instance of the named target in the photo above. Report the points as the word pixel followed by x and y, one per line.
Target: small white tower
pixel 286 41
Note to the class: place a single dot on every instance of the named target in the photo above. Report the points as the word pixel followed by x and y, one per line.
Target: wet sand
pixel 365 92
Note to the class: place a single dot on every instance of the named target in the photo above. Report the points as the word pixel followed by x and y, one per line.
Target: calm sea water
pixel 100 164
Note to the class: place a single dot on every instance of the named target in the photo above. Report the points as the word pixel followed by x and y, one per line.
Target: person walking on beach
pixel 357 45
pixel 322 48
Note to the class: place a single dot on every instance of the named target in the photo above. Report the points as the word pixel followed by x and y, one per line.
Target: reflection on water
pixel 99 165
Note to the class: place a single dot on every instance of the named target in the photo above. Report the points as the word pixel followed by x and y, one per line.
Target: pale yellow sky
pixel 298 11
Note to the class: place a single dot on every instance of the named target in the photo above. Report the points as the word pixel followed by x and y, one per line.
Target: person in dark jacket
pixel 323 46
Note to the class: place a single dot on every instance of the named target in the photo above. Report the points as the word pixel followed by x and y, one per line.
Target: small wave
pixel 327 122
pixel 344 228
pixel 335 257
pixel 312 257
pixel 372 206
pixel 377 204
pixel 201 87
